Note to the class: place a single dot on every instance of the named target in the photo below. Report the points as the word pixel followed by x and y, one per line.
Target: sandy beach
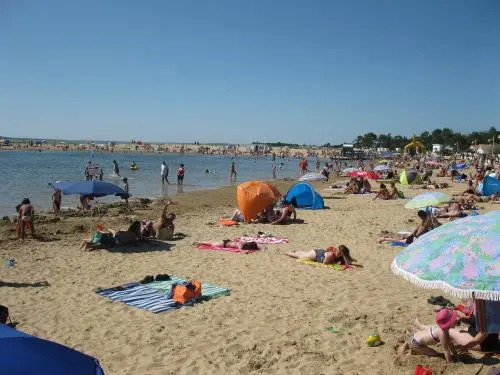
pixel 274 321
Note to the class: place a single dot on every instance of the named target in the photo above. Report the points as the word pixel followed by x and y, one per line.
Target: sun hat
pixel 445 318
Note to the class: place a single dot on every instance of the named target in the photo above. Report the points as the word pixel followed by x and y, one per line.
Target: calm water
pixel 27 173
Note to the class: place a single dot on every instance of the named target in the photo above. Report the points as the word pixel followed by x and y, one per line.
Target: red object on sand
pixel 369 175
pixel 419 370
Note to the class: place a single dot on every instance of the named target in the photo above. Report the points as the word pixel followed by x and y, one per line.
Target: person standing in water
pixel 180 174
pixel 164 173
pixel 126 188
pixel 56 201
pixel 116 169
pixel 274 170
pixel 233 171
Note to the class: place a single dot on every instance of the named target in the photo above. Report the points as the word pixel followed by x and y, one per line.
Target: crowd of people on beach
pixel 283 212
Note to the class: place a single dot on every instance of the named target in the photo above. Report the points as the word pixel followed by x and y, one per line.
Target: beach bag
pixel 185 292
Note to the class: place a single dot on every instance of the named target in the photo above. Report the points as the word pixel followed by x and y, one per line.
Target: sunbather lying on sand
pixel 107 239
pixel 329 256
pixel 228 244
pixel 452 211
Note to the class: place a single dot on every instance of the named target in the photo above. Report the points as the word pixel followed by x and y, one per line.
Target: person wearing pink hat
pixel 424 336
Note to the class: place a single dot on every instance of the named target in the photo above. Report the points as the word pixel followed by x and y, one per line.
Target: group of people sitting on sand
pixel 283 213
pixel 138 231
pixel 358 185
pixel 386 194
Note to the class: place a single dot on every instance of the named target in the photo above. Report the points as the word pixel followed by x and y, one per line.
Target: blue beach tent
pixel 23 354
pixel 303 195
pixel 490 186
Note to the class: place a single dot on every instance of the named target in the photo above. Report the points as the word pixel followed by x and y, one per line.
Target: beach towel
pixel 228 249
pixel 399 243
pixel 336 267
pixel 269 240
pixel 227 222
pixel 153 296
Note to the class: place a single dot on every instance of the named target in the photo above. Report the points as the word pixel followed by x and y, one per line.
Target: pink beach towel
pixel 228 249
pixel 262 240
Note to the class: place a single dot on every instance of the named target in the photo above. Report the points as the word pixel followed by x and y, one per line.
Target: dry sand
pixel 275 320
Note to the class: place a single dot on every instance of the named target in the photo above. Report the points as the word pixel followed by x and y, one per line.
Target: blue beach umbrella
pixel 23 354
pixel 91 188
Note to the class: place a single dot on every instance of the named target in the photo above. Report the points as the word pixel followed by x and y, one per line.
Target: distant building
pixel 485 149
pixel 437 148
pixel 348 149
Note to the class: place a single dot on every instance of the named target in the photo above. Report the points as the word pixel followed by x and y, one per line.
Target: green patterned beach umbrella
pixel 461 258
pixel 434 198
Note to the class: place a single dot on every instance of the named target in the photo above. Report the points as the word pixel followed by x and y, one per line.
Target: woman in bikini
pixel 424 336
pixel 329 256
pixel 228 244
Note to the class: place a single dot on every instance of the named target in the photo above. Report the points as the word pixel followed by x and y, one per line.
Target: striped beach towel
pixel 153 296
pixel 262 239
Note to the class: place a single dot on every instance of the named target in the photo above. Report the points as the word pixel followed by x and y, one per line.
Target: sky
pixel 238 71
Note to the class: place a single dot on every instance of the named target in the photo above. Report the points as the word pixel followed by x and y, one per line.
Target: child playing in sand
pixel 431 335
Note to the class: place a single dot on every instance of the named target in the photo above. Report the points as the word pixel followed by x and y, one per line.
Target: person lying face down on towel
pixel 228 244
pixel 331 255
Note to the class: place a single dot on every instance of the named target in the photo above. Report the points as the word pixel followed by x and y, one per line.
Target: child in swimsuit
pixel 425 336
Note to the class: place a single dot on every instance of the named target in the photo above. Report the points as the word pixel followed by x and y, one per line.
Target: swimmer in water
pixel 116 169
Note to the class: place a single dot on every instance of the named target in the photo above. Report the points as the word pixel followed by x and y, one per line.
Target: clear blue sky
pixel 244 70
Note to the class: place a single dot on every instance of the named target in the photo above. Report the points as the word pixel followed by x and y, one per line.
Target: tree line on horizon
pixel 445 136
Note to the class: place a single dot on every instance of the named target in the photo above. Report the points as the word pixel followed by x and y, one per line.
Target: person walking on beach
pixel 180 174
pixel 56 201
pixel 116 169
pixel 233 171
pixel 164 173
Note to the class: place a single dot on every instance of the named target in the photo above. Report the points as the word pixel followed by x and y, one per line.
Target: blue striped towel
pixel 152 296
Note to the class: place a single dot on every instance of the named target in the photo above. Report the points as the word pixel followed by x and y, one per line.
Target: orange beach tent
pixel 254 196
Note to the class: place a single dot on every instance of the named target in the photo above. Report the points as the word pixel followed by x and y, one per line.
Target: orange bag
pixel 183 294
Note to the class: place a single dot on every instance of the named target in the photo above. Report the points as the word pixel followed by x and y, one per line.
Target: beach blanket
pixel 269 240
pixel 228 249
pixel 336 267
pixel 153 296
pixel 227 222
